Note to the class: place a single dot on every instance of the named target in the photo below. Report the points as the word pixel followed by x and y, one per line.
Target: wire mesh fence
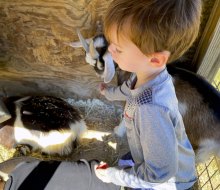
pixel 209 173
pixel 216 81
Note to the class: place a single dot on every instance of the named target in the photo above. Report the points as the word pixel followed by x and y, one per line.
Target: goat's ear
pixel 109 70
pixel 85 45
pixel 93 52
pixel 77 44
pixel 82 43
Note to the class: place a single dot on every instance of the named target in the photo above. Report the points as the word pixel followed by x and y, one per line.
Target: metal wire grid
pixel 216 80
pixel 216 84
pixel 209 173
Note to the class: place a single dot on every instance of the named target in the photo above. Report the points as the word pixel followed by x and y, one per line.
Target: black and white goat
pixel 199 101
pixel 44 123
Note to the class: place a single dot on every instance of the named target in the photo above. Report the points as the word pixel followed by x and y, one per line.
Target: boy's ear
pixel 159 59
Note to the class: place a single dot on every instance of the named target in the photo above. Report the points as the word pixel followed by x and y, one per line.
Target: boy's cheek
pixel 116 60
pixel 114 56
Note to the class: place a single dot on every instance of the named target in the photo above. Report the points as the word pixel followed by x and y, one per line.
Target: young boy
pixel 144 36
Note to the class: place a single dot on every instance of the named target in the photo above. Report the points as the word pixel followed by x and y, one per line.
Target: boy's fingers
pixel 101 174
pixel 102 86
pixel 102 165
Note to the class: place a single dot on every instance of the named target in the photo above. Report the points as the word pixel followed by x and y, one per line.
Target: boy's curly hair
pixel 156 25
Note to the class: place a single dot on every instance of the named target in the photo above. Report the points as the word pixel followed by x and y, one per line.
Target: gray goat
pixel 199 101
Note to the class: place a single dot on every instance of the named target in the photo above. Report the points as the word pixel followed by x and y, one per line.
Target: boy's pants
pixel 56 175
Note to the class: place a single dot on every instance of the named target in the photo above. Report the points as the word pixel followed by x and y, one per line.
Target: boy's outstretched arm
pixel 114 93
pixel 119 93
pixel 120 177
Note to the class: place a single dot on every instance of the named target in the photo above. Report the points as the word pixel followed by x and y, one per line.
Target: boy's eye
pixel 118 51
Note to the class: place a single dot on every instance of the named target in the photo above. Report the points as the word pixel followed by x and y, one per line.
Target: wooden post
pixel 207 56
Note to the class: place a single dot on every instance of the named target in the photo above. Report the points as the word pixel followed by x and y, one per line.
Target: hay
pixel 100 116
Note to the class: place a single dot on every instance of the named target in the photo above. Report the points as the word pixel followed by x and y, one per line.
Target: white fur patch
pixel 90 60
pixel 4 176
pixel 99 65
pixel 120 130
pixel 51 142
pixel 92 134
pixel 99 42
pixel 22 99
pixel 182 108
pixel 79 128
pixel 207 148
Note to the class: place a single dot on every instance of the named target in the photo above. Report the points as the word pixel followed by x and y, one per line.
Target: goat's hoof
pixel 3 177
pixel 24 149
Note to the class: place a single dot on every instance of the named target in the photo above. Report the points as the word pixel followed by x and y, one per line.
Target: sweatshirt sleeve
pixel 158 142
pixel 159 147
pixel 119 93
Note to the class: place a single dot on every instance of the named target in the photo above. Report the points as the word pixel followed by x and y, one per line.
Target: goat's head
pixel 97 55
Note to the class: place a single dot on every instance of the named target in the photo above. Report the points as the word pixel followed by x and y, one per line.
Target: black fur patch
pixel 209 94
pixel 101 50
pixel 45 113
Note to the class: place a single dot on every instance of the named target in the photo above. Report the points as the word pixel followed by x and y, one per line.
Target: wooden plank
pixel 33 56
pixel 207 56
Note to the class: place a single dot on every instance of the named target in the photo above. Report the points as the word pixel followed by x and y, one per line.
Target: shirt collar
pixel 161 77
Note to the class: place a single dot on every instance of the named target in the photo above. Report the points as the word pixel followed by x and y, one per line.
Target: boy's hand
pixel 102 165
pixel 101 172
pixel 102 88
pixel 109 174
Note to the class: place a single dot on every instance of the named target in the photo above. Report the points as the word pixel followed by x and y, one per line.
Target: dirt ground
pixel 101 117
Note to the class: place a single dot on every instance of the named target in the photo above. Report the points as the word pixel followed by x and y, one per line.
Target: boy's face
pixel 126 54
